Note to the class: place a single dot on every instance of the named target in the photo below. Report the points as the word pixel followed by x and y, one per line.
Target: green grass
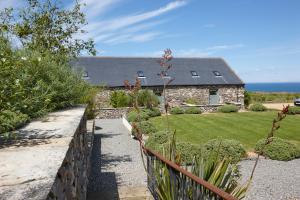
pixel 247 127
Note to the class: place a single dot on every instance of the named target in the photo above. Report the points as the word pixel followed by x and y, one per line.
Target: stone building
pixel 208 81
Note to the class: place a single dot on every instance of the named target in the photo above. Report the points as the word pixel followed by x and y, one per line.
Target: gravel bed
pixel 276 180
pixel 116 159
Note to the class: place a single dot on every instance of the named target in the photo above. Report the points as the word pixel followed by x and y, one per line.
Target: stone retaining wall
pixel 72 177
pixel 112 113
pixel 48 159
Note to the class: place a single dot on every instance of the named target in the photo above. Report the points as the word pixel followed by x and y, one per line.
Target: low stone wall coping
pixel 29 167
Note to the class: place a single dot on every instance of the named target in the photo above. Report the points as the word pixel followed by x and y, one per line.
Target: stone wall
pixel 227 94
pixel 49 158
pixel 72 177
pixel 177 96
pixel 112 113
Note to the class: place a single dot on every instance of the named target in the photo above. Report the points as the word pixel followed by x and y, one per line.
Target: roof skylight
pixel 194 74
pixel 217 73
pixel 85 74
pixel 140 74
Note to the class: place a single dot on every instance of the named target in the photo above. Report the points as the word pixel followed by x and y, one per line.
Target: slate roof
pixel 112 71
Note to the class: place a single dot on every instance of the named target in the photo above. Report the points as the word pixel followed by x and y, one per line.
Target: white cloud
pixel 209 51
pixel 128 28
pixel 132 38
pixel 192 53
pixel 224 47
pixel 125 21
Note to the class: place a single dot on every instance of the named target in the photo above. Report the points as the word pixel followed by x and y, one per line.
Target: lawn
pixel 246 127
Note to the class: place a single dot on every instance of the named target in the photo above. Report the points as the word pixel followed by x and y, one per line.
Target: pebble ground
pixel 278 180
pixel 116 160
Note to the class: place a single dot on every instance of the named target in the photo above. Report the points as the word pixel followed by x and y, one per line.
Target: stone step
pixel 134 193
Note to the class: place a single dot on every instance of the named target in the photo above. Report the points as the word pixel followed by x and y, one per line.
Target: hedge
pixel 278 149
pixel 11 120
pixel 145 127
pixel 226 148
pixel 192 110
pixel 134 117
pixel 228 109
pixel 294 110
pixel 258 107
pixel 176 111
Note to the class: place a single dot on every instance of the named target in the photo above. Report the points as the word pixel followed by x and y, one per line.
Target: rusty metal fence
pixel 179 184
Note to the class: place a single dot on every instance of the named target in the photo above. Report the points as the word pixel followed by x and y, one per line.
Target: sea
pixel 273 87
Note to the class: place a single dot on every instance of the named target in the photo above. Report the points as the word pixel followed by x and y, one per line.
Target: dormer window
pixel 140 74
pixel 194 74
pixel 166 75
pixel 217 73
pixel 85 74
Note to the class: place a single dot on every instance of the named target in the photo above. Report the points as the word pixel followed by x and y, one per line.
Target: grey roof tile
pixel 112 71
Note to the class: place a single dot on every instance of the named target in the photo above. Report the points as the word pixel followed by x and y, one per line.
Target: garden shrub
pixel 176 111
pixel 247 98
pixel 228 109
pixel 11 120
pixel 34 84
pixel 157 141
pixel 232 149
pixel 153 112
pixel 145 127
pixel 119 99
pixel 258 107
pixel 134 117
pixel 192 110
pixel 147 99
pixel 294 110
pixel 188 152
pixel 278 149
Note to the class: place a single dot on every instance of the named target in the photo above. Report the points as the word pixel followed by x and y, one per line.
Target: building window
pixel 140 74
pixel 217 73
pixel 194 74
pixel 85 74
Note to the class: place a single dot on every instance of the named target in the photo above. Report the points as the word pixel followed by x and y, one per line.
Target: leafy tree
pixel 47 27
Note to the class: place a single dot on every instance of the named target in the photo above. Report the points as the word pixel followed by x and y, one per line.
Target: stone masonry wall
pixel 112 113
pixel 72 177
pixel 228 94
pixel 178 95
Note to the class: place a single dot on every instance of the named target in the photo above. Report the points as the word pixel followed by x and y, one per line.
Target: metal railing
pixel 182 184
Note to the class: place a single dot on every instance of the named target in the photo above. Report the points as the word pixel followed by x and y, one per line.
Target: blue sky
pixel 260 39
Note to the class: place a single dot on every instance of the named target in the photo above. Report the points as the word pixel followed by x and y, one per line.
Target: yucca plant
pixel 220 173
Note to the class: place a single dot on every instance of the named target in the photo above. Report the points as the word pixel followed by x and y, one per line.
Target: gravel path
pixel 276 180
pixel 116 160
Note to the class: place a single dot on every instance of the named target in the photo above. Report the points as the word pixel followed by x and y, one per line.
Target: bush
pixel 157 141
pixel 192 111
pixel 188 152
pixel 153 112
pixel 258 107
pixel 145 127
pixel 278 149
pixel 177 111
pixel 119 99
pixel 226 148
pixel 228 109
pixel 11 120
pixel 247 99
pixel 133 116
pixel 34 84
pixel 147 98
pixel 294 110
